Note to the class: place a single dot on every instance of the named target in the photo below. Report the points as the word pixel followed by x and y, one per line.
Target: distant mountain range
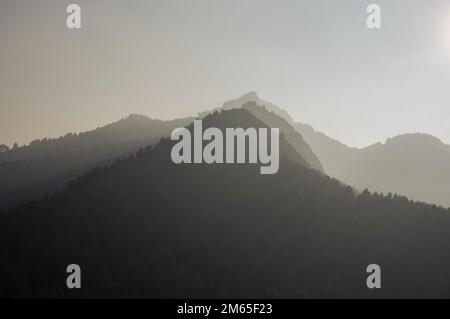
pixel 413 165
pixel 146 227
pixel 47 165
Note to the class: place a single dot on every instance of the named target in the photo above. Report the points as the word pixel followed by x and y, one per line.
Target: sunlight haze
pixel 168 59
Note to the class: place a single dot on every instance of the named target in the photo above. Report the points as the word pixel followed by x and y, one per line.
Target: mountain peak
pixel 417 141
pixel 137 116
pixel 252 96
pixel 421 138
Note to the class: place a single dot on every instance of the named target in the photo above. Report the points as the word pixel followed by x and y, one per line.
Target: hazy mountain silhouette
pixel 334 154
pixel 292 136
pixel 253 97
pixel 414 165
pixel 145 227
pixel 272 116
pixel 46 165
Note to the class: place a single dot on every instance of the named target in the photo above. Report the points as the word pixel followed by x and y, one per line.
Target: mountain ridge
pixel 416 165
pixel 46 165
pixel 146 227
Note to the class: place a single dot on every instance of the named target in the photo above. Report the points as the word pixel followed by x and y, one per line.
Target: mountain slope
pixel 332 153
pixel 46 165
pixel 253 97
pixel 414 165
pixel 145 227
pixel 274 116
pixel 292 136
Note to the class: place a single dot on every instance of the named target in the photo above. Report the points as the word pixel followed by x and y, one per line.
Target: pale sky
pixel 173 58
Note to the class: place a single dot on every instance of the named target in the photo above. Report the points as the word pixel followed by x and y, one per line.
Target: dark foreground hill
pixel 145 227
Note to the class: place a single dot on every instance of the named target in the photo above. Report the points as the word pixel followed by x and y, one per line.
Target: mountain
pixel 333 154
pixel 273 116
pixel 146 227
pixel 46 165
pixel 414 165
pixel 253 97
pixel 292 136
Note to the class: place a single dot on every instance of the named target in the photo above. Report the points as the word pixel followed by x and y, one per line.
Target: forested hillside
pixel 145 227
pixel 47 165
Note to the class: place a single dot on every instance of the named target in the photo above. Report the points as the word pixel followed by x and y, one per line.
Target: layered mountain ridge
pixel 146 227
pixel 415 165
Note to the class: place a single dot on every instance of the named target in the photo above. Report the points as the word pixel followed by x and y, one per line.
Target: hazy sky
pixel 168 58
